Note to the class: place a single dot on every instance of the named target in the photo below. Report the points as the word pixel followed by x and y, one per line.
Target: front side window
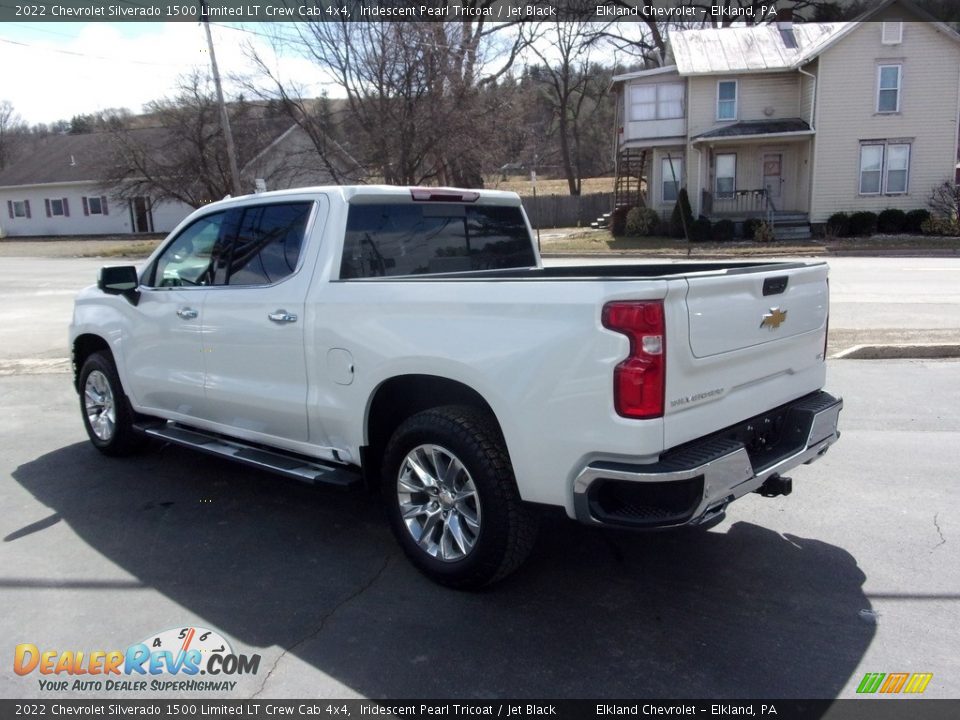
pixel 726 175
pixel 189 259
pixel 267 244
pixel 94 205
pixel 671 178
pixel 20 209
pixel 388 239
pixel 727 100
pixel 888 89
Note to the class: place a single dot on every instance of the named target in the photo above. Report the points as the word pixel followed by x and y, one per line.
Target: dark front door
pixel 141 214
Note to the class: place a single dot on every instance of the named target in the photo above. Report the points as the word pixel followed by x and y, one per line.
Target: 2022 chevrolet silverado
pixel 410 338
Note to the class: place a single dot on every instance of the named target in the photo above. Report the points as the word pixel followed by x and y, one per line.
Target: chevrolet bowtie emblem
pixel 774 319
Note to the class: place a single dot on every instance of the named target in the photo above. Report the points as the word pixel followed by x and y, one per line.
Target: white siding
pixel 649 129
pixel 847 114
pixel 115 222
pixel 778 93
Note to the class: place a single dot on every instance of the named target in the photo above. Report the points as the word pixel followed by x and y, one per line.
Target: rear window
pixel 383 240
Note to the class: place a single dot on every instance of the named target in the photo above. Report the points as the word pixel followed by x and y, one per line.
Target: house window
pixel 57 207
pixel 726 175
pixel 892 33
pixel 93 205
pixel 727 100
pixel 18 209
pixel 671 175
pixel 663 101
pixel 888 88
pixel 898 166
pixel 884 168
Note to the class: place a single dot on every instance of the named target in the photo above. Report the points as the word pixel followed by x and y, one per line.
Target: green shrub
pixel 838 225
pixel 863 223
pixel 891 221
pixel 914 220
pixel 642 221
pixel 763 232
pixel 723 230
pixel 682 206
pixel 700 230
pixel 937 225
pixel 750 227
pixel 618 220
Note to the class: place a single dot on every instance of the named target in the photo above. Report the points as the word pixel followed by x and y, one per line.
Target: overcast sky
pixel 52 71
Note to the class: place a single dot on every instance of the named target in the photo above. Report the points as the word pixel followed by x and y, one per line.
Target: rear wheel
pixel 452 498
pixel 107 415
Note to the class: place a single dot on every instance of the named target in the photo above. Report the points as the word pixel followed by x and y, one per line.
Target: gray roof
pixel 759 48
pixel 57 158
pixel 83 158
pixel 759 127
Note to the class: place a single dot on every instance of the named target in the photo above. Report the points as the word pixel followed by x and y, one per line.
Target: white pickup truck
pixel 411 340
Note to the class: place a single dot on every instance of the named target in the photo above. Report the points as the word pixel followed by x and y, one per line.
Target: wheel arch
pixel 402 396
pixel 84 346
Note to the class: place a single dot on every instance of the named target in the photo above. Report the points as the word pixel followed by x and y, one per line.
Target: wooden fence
pixel 553 211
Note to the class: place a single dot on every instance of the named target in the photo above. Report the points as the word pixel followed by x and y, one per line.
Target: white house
pixel 798 120
pixel 54 186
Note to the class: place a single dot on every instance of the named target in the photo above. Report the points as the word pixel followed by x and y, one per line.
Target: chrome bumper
pixel 694 484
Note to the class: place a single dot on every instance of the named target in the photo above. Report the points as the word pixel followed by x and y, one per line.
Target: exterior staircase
pixel 791 226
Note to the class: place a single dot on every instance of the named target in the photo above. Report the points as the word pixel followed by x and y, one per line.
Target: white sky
pixel 57 70
pixel 53 71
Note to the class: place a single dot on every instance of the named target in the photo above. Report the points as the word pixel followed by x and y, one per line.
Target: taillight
pixel 638 381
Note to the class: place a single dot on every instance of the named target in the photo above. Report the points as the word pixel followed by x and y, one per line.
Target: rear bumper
pixel 693 484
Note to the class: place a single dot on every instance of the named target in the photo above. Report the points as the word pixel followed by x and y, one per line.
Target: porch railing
pixel 738 202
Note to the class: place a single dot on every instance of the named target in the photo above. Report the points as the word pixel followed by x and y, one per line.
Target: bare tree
pixel 12 128
pixel 181 154
pixel 414 106
pixel 571 88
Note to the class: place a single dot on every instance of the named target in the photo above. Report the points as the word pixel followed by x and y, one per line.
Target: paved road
pixel 856 572
pixel 874 300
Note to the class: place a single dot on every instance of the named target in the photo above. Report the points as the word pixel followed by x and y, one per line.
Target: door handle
pixel 282 316
pixel 186 313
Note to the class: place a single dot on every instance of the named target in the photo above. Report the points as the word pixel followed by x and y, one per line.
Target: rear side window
pixel 383 240
pixel 267 245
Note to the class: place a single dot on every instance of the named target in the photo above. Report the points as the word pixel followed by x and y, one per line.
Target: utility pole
pixel 224 118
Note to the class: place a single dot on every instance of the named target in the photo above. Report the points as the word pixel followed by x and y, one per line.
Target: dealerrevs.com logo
pixel 169 661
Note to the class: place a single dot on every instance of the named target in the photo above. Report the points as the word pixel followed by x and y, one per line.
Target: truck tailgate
pixel 736 311
pixel 740 343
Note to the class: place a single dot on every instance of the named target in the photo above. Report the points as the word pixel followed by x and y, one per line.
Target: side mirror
pixel 121 280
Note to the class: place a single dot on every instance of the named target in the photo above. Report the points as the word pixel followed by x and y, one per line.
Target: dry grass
pixel 521 185
pixel 116 247
pixel 601 241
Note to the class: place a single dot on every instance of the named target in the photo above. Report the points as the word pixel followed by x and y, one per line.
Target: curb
pixel 915 351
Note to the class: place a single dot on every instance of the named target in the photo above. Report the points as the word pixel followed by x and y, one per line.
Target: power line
pixel 92 57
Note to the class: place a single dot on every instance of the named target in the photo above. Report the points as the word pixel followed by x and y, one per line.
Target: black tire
pixel 507 528
pixel 122 439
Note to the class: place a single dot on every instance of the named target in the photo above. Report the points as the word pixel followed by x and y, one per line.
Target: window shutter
pixel 103 204
pixel 86 208
pixel 26 205
pixel 46 204
pixel 66 208
pixel 10 208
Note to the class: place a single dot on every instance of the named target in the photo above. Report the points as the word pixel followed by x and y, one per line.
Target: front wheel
pixel 107 415
pixel 452 498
